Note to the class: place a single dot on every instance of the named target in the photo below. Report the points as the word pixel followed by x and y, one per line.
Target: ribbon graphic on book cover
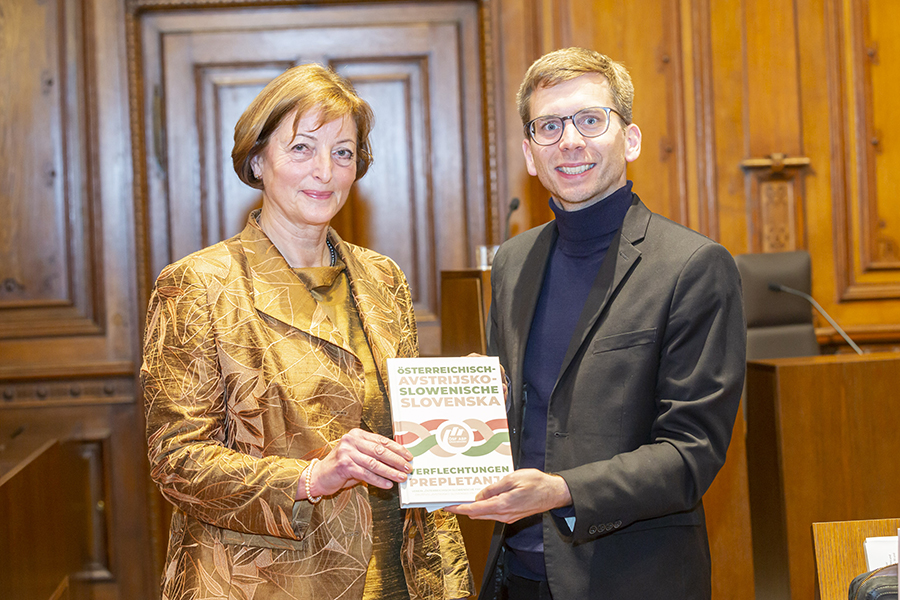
pixel 445 438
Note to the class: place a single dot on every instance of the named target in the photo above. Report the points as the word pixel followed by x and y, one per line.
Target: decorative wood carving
pixel 776 201
pixel 777 216
pixel 68 390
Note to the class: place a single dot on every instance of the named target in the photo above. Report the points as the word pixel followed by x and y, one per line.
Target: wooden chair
pixel 839 552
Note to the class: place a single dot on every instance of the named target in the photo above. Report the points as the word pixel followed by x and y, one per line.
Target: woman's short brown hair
pixel 569 63
pixel 300 89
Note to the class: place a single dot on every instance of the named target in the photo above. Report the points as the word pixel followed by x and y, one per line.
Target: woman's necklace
pixel 331 249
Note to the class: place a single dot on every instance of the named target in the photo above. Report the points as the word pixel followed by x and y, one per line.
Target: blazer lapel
pixel 377 309
pixel 381 323
pixel 278 292
pixel 620 259
pixel 523 303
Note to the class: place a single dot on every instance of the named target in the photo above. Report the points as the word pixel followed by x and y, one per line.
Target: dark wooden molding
pixel 60 390
pixel 704 111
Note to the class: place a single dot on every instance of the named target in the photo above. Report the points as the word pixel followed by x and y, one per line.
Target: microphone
pixel 513 206
pixel 777 287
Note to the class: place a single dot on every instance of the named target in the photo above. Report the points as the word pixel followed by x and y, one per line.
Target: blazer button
pixel 592 530
pixel 617 524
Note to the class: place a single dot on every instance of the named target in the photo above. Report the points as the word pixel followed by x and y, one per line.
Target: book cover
pixel 451 415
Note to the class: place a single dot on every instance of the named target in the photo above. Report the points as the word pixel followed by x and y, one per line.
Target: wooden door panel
pixel 47 247
pixel 869 213
pixel 225 91
pixel 422 202
pixel 848 52
pixel 382 211
pixel 881 50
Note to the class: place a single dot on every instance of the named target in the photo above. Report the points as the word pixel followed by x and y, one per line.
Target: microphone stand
pixel 777 287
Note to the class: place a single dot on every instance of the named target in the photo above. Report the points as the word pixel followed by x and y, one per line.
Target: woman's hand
pixel 358 457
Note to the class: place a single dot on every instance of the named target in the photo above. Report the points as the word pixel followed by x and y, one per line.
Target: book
pixel 450 413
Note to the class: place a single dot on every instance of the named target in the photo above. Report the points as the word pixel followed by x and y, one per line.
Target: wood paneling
pixel 654 60
pixel 48 253
pixel 865 33
pixel 808 85
pixel 846 83
pixel 68 314
pixel 717 82
pixel 422 202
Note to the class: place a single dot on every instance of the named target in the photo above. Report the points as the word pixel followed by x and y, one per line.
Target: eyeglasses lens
pixel 590 122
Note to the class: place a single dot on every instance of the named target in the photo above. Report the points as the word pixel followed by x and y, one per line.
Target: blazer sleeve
pixel 698 382
pixel 185 404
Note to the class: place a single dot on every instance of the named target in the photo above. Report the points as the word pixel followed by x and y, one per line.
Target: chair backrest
pixel 840 555
pixel 779 325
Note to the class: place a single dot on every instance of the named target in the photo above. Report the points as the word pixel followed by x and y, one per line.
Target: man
pixel 624 339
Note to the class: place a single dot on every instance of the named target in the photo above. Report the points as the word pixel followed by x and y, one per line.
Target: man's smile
pixel 576 170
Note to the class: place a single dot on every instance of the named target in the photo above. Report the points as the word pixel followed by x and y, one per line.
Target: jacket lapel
pixel 620 259
pixel 523 304
pixel 377 309
pixel 278 292
pixel 381 323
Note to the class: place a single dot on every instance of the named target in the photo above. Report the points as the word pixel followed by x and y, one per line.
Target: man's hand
pixel 520 494
pixel 503 376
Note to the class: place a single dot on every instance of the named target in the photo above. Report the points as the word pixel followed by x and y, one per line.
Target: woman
pixel 264 368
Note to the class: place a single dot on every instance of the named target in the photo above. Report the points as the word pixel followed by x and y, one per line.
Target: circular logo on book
pixel 454 438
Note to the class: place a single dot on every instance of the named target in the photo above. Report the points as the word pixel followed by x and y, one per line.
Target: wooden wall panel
pixel 849 63
pixel 514 31
pixel 68 318
pixel 48 283
pixel 423 201
pixel 867 34
pixel 654 60
pixel 767 126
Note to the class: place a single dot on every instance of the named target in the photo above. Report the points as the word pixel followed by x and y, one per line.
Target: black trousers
pixel 520 588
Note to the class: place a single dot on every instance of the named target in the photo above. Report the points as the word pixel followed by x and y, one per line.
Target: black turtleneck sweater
pixel 584 237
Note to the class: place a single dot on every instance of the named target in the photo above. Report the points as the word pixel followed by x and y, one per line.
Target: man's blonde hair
pixel 569 63
pixel 300 89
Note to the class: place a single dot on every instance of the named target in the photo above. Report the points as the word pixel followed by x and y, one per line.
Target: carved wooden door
pixel 422 202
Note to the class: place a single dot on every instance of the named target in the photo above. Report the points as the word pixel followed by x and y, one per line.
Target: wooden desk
pixel 822 445
pixel 840 555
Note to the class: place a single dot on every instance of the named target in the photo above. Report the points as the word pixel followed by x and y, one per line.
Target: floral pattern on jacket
pixel 246 380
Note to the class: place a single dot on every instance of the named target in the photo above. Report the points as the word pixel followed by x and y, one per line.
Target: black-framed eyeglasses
pixel 590 122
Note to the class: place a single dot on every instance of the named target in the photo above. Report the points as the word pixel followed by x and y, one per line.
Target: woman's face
pixel 307 176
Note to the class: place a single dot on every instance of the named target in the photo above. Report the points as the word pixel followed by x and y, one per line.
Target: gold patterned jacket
pixel 245 380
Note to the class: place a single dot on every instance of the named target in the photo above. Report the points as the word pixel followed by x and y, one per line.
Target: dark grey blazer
pixel 641 415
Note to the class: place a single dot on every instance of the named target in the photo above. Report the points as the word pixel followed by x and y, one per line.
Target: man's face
pixel 581 171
